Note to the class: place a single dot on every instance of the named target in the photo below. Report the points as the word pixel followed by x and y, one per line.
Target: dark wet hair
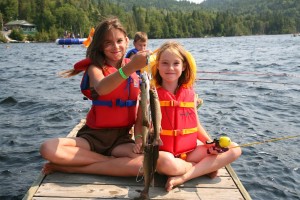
pixel 95 49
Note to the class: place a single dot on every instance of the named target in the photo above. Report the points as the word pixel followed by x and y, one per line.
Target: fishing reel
pixel 221 145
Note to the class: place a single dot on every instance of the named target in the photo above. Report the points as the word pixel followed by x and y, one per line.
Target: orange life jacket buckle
pixel 174 103
pixel 183 156
pixel 178 132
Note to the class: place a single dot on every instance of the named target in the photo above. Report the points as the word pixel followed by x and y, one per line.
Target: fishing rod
pixel 267 141
pixel 249 73
pixel 246 81
pixel 223 143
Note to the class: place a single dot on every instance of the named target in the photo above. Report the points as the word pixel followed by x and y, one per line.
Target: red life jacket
pixel 116 109
pixel 179 121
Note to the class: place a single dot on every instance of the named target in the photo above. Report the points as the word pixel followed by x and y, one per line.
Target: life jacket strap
pixel 177 104
pixel 179 132
pixel 119 102
pixel 102 103
pixel 127 103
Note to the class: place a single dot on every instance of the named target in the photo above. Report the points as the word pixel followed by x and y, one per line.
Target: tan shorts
pixel 103 141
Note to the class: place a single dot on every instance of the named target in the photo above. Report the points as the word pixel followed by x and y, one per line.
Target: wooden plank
pixel 204 181
pixel 159 180
pixel 32 190
pixel 58 177
pixel 91 179
pixel 83 190
pixel 129 192
pixel 34 187
pixel 222 194
pixel 65 186
pixel 73 198
pixel 238 183
pixel 68 198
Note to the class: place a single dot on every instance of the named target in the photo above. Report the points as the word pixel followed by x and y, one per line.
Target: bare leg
pixel 169 165
pixel 70 152
pixel 124 150
pixel 73 155
pixel 114 167
pixel 208 164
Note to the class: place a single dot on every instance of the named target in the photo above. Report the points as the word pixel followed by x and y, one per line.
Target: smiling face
pixel 114 46
pixel 170 67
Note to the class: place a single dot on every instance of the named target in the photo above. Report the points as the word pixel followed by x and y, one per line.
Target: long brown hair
pixel 95 50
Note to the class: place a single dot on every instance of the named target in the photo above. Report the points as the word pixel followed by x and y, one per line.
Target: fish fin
pixel 160 143
pixel 157 142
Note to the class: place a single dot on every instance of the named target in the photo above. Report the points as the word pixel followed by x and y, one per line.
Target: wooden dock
pixel 64 186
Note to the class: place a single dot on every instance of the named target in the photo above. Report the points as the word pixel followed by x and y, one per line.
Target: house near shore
pixel 25 26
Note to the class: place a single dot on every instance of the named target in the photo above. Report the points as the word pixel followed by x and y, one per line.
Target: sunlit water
pixel 260 102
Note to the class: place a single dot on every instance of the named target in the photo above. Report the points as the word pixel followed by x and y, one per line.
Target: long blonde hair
pixel 95 50
pixel 188 76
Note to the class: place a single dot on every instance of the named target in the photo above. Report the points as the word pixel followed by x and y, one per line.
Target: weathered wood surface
pixel 63 186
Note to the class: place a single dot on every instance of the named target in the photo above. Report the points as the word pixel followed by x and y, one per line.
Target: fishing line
pixel 249 73
pixel 137 179
pixel 265 141
pixel 246 81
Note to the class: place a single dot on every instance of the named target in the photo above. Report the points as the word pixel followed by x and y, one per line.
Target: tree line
pixel 159 18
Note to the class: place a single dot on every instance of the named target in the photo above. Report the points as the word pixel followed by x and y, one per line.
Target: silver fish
pixel 144 101
pixel 151 139
pixel 156 116
pixel 151 153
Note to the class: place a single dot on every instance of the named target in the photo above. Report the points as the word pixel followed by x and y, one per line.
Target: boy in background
pixel 139 42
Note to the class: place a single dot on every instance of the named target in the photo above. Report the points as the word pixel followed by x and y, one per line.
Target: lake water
pixel 254 97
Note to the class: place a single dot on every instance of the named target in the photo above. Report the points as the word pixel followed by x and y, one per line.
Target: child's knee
pixel 236 150
pixel 48 149
pixel 168 167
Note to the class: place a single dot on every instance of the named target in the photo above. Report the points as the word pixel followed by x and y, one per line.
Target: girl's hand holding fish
pixel 140 59
pixel 138 146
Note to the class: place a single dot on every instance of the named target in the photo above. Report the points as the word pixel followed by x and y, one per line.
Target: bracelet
pixel 138 136
pixel 122 73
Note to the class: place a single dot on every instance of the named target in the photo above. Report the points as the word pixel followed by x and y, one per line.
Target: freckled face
pixel 170 67
pixel 115 45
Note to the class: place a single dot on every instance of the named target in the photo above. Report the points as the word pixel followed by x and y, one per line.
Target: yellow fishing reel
pixel 221 145
pixel 224 142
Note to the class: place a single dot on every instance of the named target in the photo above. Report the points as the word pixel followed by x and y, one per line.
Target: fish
pixel 156 116
pixel 151 137
pixel 144 102
pixel 151 153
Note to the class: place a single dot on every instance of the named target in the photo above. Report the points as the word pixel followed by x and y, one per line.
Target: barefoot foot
pixel 47 169
pixel 169 185
pixel 173 182
pixel 213 175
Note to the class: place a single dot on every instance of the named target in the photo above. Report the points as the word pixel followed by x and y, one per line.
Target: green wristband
pixel 122 73
pixel 138 136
